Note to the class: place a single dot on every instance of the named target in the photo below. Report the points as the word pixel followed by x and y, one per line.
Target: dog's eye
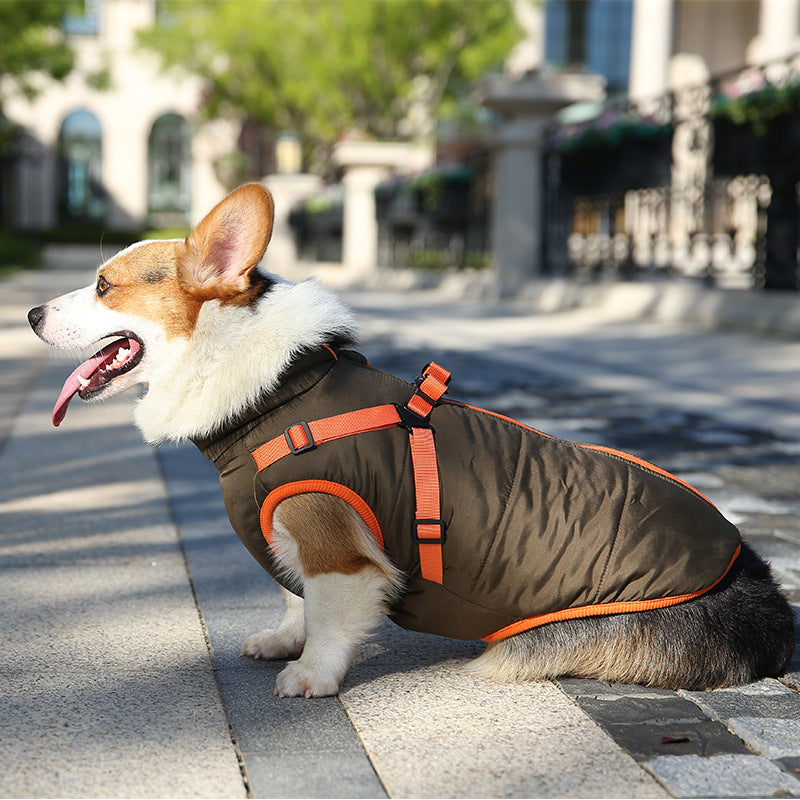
pixel 102 286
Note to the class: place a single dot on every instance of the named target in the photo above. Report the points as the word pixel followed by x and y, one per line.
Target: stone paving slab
pixel 121 733
pixel 723 776
pixel 434 732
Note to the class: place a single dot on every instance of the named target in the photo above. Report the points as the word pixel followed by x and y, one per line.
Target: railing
pixel 701 182
pixel 434 220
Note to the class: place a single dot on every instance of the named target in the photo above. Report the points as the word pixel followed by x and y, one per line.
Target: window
pixel 82 18
pixel 169 171
pixel 80 187
pixel 594 35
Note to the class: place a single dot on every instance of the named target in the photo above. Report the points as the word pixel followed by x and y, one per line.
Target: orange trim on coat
pixel 501 416
pixel 596 447
pixel 354 500
pixel 646 464
pixel 331 351
pixel 603 608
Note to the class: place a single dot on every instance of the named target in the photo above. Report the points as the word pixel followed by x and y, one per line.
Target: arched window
pixel 80 186
pixel 169 171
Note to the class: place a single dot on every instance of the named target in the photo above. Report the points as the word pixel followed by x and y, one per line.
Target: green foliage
pixel 32 45
pixel 758 108
pixel 609 130
pixel 101 80
pixel 95 233
pixel 440 260
pixel 323 67
pixel 433 260
pixel 17 252
pixel 31 42
pixel 165 233
pixel 433 182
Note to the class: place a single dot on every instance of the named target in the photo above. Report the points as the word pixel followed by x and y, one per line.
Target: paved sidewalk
pixel 126 596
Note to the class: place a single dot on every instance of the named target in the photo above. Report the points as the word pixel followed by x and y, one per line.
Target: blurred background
pixel 602 139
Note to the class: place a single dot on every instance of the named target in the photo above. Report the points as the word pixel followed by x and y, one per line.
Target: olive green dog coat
pixel 533 529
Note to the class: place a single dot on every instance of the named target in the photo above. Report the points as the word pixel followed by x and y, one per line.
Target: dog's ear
pixel 228 243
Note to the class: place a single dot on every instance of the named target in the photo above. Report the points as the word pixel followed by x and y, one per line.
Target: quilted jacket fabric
pixel 534 525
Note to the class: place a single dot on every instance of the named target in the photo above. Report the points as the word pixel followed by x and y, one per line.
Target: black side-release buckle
pixel 429 539
pixel 303 448
pixel 410 419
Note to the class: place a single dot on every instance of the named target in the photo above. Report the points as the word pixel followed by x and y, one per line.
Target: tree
pixel 324 67
pixel 32 47
pixel 32 44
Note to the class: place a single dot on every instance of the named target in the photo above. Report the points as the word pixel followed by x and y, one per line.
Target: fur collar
pixel 234 357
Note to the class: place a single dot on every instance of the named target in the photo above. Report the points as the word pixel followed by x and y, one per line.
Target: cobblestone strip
pixel 692 743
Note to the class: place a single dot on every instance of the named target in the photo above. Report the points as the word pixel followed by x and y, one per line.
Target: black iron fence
pixel 701 182
pixel 317 225
pixel 436 219
pixel 433 220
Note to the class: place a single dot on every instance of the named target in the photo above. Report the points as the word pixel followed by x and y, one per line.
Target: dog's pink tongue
pixel 72 385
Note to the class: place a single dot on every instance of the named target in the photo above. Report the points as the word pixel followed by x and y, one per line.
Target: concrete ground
pixel 125 595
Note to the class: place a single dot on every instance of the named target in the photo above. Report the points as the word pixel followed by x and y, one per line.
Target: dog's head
pixel 147 299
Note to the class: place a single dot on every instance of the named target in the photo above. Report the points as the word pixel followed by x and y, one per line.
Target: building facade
pixel 647 47
pixel 695 170
pixel 117 144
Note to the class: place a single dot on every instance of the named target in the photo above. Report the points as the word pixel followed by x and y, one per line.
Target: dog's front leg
pixel 340 610
pixel 346 581
pixel 287 640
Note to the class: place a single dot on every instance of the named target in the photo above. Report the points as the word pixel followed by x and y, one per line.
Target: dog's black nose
pixel 36 317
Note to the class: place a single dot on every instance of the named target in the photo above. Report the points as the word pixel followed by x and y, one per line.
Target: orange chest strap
pixel 413 416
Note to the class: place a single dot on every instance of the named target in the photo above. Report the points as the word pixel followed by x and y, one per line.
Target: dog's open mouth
pixel 91 377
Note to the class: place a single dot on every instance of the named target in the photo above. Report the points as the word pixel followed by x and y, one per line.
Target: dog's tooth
pixel 120 357
pixel 84 382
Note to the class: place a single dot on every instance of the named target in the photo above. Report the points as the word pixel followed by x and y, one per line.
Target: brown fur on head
pixel 172 279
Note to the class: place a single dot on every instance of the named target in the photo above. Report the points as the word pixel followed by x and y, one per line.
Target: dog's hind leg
pixel 287 640
pixel 741 631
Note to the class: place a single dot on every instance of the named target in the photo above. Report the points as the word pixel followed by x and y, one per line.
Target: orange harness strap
pixel 430 386
pixel 303 436
pixel 428 525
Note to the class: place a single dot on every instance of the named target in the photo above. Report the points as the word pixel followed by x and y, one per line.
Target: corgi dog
pixel 363 494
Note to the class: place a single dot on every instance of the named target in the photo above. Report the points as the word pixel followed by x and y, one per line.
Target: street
pixel 126 595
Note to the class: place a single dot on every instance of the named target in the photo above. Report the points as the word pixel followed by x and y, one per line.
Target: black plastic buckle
pixel 429 539
pixel 303 448
pixel 410 419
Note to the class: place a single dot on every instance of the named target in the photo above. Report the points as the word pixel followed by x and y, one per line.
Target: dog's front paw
pixel 272 645
pixel 297 680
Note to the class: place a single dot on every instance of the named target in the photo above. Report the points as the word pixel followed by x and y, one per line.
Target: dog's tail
pixel 740 631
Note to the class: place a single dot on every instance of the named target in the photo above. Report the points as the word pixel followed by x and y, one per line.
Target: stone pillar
pixel 366 164
pixel 777 31
pixel 526 106
pixel 517 203
pixel 287 189
pixel 651 48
